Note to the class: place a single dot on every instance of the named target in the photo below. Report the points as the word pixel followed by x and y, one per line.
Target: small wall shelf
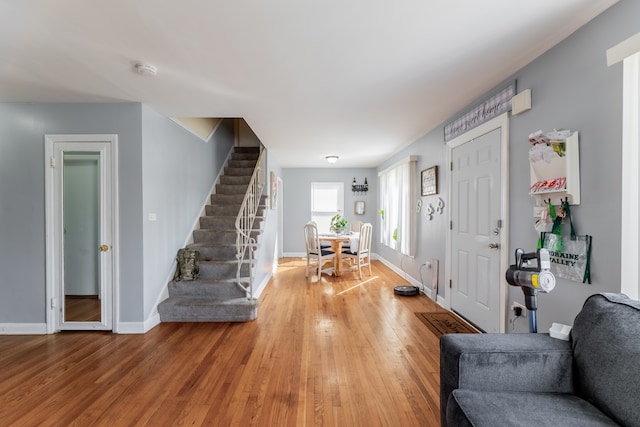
pixel 555 171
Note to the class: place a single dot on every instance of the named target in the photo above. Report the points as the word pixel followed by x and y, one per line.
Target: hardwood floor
pixel 335 352
pixel 82 308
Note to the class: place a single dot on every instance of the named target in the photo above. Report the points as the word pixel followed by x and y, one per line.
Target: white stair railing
pixel 245 243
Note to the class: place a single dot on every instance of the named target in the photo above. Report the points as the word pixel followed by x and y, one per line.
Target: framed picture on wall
pixel 429 181
pixel 358 207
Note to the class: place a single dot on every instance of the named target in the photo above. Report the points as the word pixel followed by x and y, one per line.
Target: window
pixel 327 199
pixel 397 190
pixel 628 52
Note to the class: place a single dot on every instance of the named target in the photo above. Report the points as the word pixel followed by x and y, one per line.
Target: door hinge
pixel 450 225
pixel 499 223
pixel 451 166
pixel 52 162
pixel 53 303
pixel 450 283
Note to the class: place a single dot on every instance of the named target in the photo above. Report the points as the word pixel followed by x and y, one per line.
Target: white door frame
pixel 53 234
pixel 501 122
pixel 280 220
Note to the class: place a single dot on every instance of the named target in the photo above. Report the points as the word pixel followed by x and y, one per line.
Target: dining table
pixel 336 240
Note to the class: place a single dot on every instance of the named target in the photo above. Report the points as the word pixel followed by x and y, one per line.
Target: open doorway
pixel 81 234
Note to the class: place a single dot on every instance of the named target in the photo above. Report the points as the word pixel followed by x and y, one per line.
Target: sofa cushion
pixel 491 409
pixel 606 351
pixel 503 362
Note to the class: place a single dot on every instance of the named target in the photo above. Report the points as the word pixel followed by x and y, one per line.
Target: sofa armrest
pixel 503 362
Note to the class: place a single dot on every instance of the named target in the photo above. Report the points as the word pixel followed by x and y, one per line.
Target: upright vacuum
pixel 532 279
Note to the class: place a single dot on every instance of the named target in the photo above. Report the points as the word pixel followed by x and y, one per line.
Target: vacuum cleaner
pixel 532 279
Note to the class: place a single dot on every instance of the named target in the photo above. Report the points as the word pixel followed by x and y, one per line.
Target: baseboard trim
pixel 23 328
pixel 261 287
pixel 139 327
pixel 294 255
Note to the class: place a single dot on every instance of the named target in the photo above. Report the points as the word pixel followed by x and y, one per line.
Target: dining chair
pixel 355 226
pixel 314 251
pixel 323 245
pixel 362 256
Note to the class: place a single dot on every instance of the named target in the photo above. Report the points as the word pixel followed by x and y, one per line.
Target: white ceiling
pixel 356 78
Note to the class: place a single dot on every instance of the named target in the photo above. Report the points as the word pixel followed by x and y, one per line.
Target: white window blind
pixel 397 191
pixel 327 199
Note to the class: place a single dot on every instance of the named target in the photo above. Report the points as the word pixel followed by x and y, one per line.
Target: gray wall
pixel 178 172
pixel 297 200
pixel 22 200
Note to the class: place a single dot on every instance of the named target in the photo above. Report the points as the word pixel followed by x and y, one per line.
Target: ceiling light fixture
pixel 146 69
pixel 331 159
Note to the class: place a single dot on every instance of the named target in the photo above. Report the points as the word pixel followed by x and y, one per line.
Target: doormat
pixel 446 323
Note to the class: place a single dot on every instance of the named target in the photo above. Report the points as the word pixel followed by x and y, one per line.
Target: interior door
pixel 476 227
pixel 80 232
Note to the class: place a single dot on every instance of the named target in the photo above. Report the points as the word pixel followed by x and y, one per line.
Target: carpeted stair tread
pixel 242 163
pixel 238 171
pixel 189 309
pixel 220 236
pixel 216 250
pixel 225 221
pixel 231 189
pixel 208 288
pixel 235 180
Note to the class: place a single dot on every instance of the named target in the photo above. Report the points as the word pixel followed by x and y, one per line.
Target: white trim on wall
pixel 623 50
pixel 628 51
pixel 23 328
pixel 630 209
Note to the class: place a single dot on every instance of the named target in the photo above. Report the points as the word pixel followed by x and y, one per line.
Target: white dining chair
pixel 323 245
pixel 362 255
pixel 314 251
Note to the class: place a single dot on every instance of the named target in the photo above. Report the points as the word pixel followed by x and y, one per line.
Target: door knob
pixel 104 248
pixel 494 245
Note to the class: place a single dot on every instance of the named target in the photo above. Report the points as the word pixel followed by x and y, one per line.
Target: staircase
pixel 221 293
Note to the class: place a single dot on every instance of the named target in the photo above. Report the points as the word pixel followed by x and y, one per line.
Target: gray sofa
pixel 535 380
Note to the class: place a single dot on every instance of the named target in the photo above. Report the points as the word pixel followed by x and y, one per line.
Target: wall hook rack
pixel 360 189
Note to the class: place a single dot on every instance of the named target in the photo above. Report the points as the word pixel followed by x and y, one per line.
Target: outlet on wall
pixel 523 309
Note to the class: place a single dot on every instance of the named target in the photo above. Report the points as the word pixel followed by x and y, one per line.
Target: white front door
pixel 80 231
pixel 477 228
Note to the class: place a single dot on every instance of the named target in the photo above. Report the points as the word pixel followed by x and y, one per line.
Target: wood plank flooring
pixel 334 352
pixel 82 308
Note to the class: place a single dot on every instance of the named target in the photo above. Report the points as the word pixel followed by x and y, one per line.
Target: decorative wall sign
pixel 429 181
pixel 492 107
